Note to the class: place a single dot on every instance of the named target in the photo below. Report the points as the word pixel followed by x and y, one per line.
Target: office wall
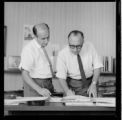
pixel 96 20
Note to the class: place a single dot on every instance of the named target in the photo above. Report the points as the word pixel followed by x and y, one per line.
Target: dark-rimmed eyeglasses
pixel 75 46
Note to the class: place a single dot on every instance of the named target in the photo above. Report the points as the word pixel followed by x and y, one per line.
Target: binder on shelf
pixel 114 65
pixel 109 64
pixel 106 64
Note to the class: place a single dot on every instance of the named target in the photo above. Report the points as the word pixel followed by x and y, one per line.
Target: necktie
pixel 81 70
pixel 46 55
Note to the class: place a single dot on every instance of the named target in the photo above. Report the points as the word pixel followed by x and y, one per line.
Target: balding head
pixel 40 28
pixel 42 33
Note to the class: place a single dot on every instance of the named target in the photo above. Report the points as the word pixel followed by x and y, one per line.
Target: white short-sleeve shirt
pixel 33 60
pixel 67 64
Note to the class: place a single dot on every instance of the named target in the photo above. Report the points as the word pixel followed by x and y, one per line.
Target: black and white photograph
pixel 60 58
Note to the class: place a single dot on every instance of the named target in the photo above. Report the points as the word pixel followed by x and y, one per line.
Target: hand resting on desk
pixel 44 92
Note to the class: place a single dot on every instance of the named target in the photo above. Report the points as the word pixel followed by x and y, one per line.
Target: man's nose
pixel 75 49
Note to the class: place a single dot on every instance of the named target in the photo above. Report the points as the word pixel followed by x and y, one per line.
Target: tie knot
pixel 43 48
pixel 78 55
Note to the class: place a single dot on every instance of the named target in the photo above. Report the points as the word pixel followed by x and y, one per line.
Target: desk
pixel 57 109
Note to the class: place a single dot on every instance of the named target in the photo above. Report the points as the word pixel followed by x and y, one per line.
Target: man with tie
pixel 35 64
pixel 78 66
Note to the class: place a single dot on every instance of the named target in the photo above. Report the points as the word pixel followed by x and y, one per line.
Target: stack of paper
pixel 55 99
pixel 77 100
pixel 106 101
pixel 22 100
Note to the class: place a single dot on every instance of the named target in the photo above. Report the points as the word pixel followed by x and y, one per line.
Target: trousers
pixel 76 85
pixel 43 83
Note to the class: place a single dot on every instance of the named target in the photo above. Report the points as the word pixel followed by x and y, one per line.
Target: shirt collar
pixel 36 43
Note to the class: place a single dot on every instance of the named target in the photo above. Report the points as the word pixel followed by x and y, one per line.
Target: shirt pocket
pixel 87 63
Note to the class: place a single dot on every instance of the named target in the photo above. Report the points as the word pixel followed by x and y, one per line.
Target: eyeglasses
pixel 75 46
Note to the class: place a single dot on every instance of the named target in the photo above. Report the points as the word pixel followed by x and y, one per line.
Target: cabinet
pixel 107 85
pixel 13 81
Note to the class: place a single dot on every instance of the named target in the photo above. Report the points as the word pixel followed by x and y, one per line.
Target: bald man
pixel 71 77
pixel 34 64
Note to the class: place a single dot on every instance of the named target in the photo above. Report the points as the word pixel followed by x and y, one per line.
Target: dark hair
pixel 35 29
pixel 75 32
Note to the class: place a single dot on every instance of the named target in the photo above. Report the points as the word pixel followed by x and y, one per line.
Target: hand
pixel 92 91
pixel 45 92
pixel 70 93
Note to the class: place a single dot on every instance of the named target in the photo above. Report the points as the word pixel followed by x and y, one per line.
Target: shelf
pixel 12 71
pixel 107 74
pixel 106 85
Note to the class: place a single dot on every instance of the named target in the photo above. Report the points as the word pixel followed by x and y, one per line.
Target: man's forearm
pixel 29 81
pixel 96 75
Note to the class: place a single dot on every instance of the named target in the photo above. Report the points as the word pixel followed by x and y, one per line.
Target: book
pixel 114 65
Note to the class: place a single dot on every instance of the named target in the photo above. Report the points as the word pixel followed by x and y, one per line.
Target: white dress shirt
pixel 67 64
pixel 33 60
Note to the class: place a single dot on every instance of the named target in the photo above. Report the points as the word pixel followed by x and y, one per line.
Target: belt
pixel 41 78
pixel 89 78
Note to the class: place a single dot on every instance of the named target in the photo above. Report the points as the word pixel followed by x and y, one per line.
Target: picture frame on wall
pixel 5 39
pixel 13 62
pixel 27 34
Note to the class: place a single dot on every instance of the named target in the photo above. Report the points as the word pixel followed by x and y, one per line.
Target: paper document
pixel 89 104
pixel 105 101
pixel 74 98
pixel 79 104
pixel 106 104
pixel 55 99
pixel 77 100
pixel 22 100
